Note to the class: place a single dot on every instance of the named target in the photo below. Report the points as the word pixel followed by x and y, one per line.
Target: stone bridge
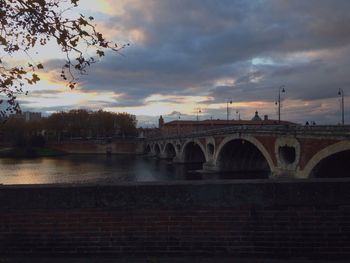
pixel 278 151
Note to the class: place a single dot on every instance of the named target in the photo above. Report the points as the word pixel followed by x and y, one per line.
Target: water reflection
pixel 91 169
pixel 103 169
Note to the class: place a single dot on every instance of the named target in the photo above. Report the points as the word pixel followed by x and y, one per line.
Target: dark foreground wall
pixel 290 219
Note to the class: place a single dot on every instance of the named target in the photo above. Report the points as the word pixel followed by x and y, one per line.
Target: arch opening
pixel 193 153
pixel 241 159
pixel 157 150
pixel 170 151
pixel 194 158
pixel 147 149
pixel 334 166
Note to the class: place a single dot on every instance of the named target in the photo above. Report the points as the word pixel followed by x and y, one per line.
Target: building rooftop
pixel 256 117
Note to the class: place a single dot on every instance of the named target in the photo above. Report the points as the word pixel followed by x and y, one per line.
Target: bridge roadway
pixel 279 150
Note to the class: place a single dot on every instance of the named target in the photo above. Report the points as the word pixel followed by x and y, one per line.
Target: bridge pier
pixel 278 173
pixel 210 166
pixel 178 159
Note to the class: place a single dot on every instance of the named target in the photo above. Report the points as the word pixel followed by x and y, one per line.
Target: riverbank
pixel 29 152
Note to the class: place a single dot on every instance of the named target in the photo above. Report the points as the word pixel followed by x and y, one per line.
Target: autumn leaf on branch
pixel 27 24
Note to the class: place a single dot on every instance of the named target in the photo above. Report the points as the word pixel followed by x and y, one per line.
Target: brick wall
pixel 295 219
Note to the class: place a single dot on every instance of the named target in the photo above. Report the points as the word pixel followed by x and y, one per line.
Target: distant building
pixel 160 122
pixel 256 117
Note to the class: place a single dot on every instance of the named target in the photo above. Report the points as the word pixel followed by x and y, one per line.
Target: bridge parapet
pixel 298 130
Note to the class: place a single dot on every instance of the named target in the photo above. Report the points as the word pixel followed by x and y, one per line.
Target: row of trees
pixel 75 124
pixel 89 124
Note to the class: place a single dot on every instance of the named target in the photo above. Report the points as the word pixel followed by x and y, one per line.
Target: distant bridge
pixel 280 151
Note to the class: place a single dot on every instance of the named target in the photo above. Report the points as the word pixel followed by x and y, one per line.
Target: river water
pixel 92 169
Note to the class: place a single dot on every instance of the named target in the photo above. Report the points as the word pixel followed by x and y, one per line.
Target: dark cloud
pixel 188 47
pixel 175 113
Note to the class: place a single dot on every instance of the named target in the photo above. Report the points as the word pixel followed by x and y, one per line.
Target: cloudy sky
pixel 186 55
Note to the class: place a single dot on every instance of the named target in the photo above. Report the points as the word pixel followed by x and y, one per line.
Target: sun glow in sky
pixel 186 55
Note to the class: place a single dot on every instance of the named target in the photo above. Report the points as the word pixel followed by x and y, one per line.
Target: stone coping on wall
pixel 178 194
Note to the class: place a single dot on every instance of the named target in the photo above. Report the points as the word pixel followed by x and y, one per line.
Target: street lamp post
pixel 341 93
pixel 227 110
pixel 239 114
pixel 198 111
pixel 281 89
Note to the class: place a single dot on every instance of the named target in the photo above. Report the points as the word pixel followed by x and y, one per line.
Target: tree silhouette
pixel 29 24
pixel 95 124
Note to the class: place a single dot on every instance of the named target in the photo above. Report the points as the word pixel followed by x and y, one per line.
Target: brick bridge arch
pixel 323 154
pixel 148 148
pixel 259 146
pixel 169 151
pixel 182 152
pixel 157 149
